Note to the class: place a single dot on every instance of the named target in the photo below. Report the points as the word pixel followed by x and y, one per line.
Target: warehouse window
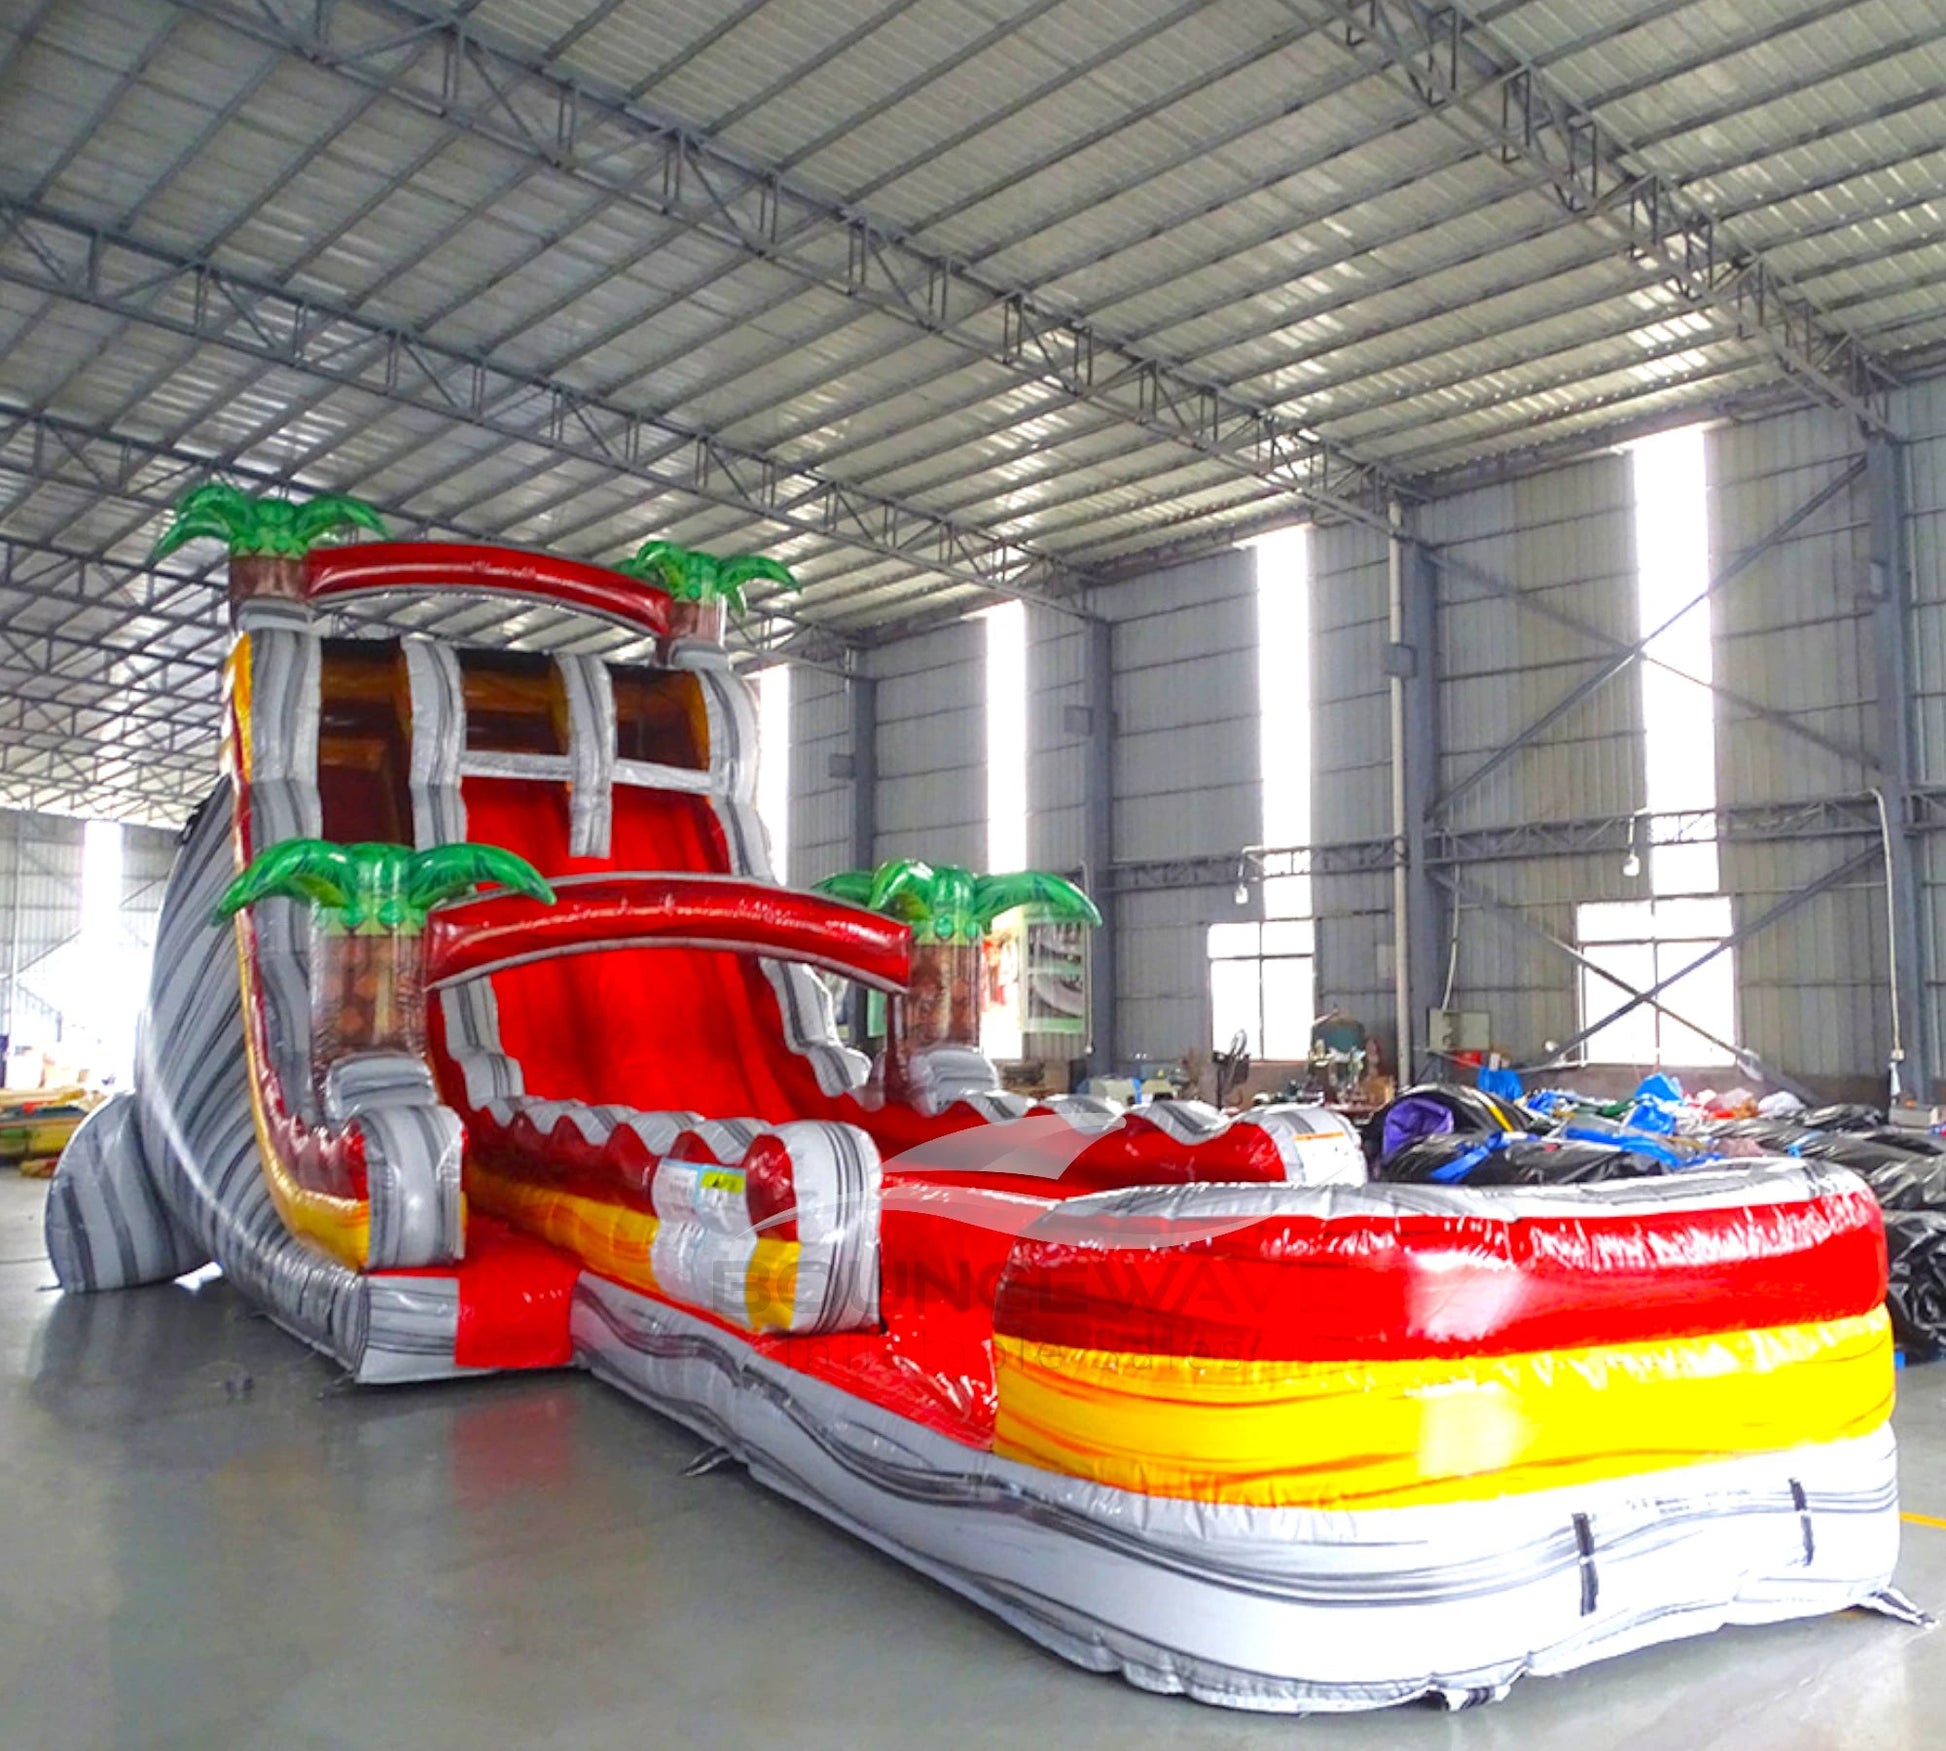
pixel 93 981
pixel 1263 978
pixel 1644 942
pixel 1006 713
pixel 1672 569
pixel 774 764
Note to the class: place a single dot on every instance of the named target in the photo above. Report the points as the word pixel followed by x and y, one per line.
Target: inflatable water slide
pixel 480 1038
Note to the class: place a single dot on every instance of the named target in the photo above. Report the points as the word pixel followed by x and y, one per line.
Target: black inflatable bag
pixel 1899 1179
pixel 1777 1134
pixel 1841 1118
pixel 1525 1161
pixel 1915 1296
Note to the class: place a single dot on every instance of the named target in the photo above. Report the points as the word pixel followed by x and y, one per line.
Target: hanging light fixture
pixel 1638 824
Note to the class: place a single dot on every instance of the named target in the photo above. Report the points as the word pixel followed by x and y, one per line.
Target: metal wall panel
pixel 1351 766
pixel 1057 755
pixel 1922 410
pixel 1811 989
pixel 40 909
pixel 1163 1009
pixel 1789 634
pixel 1186 755
pixel 1351 734
pixel 1793 630
pixel 1186 779
pixel 1565 541
pixel 148 855
pixel 820 802
pixel 1793 633
pixel 1525 985
pixel 1354 967
pixel 932 799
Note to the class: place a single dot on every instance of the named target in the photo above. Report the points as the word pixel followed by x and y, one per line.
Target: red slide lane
pixel 660 1030
pixel 700 1030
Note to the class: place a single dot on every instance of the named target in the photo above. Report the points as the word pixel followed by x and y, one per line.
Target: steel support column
pixel 1914 1065
pixel 861 695
pixel 1098 840
pixel 1418 909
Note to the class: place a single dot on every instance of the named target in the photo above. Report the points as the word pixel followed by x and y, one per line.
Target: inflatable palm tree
pixel 369 904
pixel 268 535
pixel 701 585
pixel 951 910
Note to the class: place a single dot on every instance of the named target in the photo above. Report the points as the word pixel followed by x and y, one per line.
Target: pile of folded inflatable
pixel 1445 1134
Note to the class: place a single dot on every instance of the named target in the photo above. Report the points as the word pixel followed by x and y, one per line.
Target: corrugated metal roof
pixel 793 226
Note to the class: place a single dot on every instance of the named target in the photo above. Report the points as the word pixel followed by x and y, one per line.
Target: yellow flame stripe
pixel 770 1285
pixel 617 1241
pixel 341 1226
pixel 1398 1433
pixel 609 1238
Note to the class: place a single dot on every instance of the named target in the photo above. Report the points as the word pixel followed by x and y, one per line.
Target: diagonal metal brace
pixel 1763 921
pixel 1725 575
pixel 1463 890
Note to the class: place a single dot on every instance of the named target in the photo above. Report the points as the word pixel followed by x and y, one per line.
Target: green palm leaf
pixel 445 871
pixel 945 902
pixel 276 531
pixel 747 568
pixel 851 885
pixel 267 523
pixel 1055 896
pixel 214 511
pixel 935 899
pixel 375 886
pixel 294 869
pixel 903 888
pixel 331 512
pixel 733 573
pixel 184 528
pixel 668 564
pixel 691 575
pixel 220 499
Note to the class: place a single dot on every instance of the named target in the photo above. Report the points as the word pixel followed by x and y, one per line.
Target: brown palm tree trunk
pixel 896 1065
pixel 944 1006
pixel 367 994
pixel 257 577
pixel 689 618
pixel 941 1007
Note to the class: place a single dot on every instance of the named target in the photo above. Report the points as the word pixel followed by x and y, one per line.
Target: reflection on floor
pixel 205 1541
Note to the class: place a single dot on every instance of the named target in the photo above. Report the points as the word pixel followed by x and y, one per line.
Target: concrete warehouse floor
pixel 206 1541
